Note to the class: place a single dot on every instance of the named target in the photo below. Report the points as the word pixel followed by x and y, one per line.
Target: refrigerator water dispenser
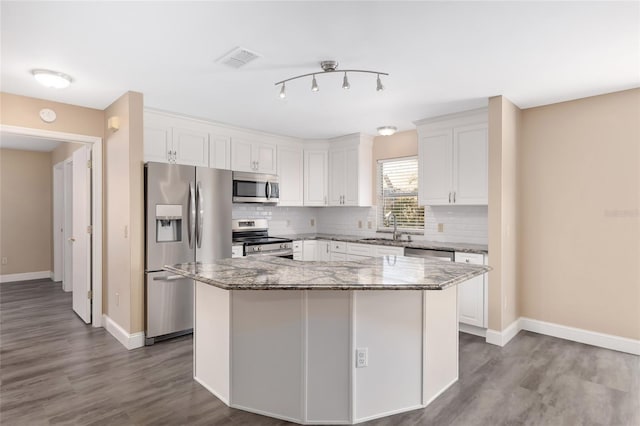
pixel 168 223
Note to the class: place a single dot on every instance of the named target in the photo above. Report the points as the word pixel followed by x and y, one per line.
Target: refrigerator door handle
pixel 191 215
pixel 200 215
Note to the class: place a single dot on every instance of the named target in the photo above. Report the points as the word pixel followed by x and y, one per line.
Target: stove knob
pixel 283 246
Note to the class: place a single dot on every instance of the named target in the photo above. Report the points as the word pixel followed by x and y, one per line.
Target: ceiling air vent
pixel 238 57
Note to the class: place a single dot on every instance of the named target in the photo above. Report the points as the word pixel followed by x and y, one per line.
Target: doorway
pixel 85 241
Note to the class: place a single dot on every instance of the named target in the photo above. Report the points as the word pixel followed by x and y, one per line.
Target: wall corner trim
pixel 129 341
pixel 593 338
pixel 26 276
pixel 501 338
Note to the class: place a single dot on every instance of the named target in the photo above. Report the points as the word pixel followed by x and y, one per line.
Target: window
pixel 398 193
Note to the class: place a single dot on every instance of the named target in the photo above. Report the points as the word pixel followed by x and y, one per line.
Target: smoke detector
pixel 238 57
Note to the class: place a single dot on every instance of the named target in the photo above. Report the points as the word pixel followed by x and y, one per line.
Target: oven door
pixel 255 188
pixel 286 253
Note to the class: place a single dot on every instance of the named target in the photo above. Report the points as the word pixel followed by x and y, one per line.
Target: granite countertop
pixel 381 273
pixel 420 244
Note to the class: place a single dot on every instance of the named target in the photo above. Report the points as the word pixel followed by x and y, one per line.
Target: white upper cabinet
pixel 315 177
pixel 291 175
pixel 253 156
pixel 191 147
pixel 350 162
pixel 453 159
pixel 220 151
pixel 169 139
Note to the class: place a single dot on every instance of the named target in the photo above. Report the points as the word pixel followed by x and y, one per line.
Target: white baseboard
pixel 503 337
pixel 210 389
pixel 472 329
pixel 129 341
pixel 388 413
pixel 266 413
pixel 593 338
pixel 26 276
pixel 602 340
pixel 444 389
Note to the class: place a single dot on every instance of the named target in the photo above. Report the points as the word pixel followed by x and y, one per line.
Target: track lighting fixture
pixel 331 67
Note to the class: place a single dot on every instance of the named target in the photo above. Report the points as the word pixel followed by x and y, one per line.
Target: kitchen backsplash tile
pixel 461 224
pixel 282 220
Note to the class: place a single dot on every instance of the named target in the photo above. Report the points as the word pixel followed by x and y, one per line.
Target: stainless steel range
pixel 254 236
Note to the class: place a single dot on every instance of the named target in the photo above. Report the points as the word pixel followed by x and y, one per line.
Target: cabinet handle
pixel 454 196
pixel 325 200
pixel 449 197
pixel 466 260
pixel 327 248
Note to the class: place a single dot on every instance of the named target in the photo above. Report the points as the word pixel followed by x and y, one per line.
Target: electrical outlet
pixel 441 227
pixel 360 224
pixel 5 260
pixel 362 357
pixel 313 222
pixel 117 299
pixel 369 224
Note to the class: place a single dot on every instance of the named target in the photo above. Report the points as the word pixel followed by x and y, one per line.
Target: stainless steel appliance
pixel 444 255
pixel 254 236
pixel 187 215
pixel 255 188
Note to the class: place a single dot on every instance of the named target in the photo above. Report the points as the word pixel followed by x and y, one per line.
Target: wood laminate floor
pixel 54 369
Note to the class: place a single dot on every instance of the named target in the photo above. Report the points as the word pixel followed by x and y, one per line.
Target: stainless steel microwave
pixel 255 188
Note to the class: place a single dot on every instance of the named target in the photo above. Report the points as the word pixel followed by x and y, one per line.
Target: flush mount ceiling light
pixel 329 67
pixel 54 79
pixel 387 130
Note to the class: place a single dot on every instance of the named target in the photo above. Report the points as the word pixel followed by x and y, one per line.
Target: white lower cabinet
pixel 338 256
pixel 298 250
pixel 309 248
pixel 472 294
pixel 388 251
pixel 323 251
pixel 237 251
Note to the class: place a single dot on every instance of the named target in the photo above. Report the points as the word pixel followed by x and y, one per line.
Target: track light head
pixel 345 82
pixel 379 86
pixel 282 92
pixel 314 84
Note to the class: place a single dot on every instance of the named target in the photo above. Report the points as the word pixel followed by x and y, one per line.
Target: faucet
pixel 396 234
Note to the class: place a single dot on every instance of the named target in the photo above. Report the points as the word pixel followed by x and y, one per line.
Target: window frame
pixel 417 230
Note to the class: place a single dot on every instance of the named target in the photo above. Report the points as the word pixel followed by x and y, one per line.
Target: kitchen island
pixel 340 343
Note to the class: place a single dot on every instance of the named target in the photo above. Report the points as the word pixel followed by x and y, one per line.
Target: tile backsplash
pixel 460 224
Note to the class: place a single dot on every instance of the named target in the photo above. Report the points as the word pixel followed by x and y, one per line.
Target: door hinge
pixel 90 294
pixel 88 164
pixel 89 229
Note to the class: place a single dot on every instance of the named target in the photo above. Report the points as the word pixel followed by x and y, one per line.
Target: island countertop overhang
pixel 380 273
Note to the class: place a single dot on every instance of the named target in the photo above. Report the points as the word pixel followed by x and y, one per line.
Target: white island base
pixel 291 354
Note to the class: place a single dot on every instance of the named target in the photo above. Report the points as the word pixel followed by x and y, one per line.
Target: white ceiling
pixel 27 143
pixel 442 56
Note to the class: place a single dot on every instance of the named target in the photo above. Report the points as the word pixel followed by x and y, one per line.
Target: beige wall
pixel 23 111
pixel 63 151
pixel 579 214
pixel 25 211
pixel 123 226
pixel 402 144
pixel 504 124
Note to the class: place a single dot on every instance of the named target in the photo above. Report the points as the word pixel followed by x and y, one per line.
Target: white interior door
pixel 67 244
pixel 81 246
pixel 58 220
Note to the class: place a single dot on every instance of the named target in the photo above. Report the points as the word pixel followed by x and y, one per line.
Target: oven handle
pixel 283 252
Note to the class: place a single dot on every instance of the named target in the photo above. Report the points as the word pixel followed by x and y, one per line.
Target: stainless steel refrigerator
pixel 188 218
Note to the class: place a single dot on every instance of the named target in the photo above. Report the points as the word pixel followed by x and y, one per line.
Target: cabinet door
pixel 470 151
pixel 338 256
pixel 337 165
pixel 265 155
pixel 157 142
pixel 290 172
pixel 436 168
pixel 309 249
pixel 471 294
pixel 323 252
pixel 241 155
pixel 351 183
pixel 219 151
pixel 315 177
pixel 191 146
